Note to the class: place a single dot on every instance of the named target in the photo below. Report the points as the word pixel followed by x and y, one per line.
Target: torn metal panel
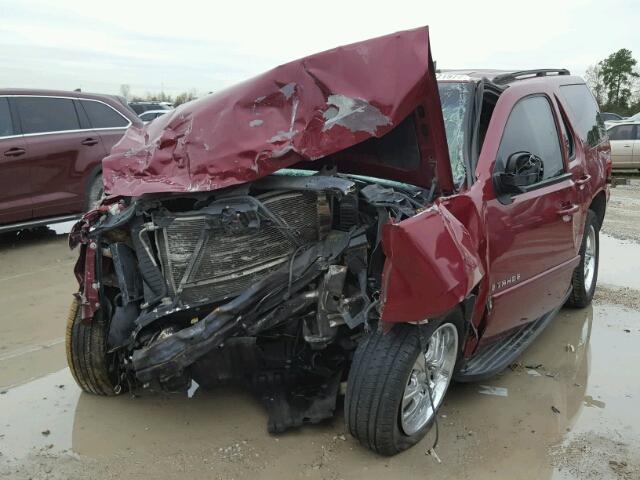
pixel 300 111
pixel 431 266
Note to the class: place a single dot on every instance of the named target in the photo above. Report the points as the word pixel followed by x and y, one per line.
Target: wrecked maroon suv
pixel 350 217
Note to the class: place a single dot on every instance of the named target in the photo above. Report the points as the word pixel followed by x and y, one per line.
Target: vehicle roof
pixel 113 100
pixel 155 111
pixel 57 93
pixel 507 77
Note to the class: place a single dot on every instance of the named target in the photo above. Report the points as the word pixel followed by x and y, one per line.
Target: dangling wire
pixel 435 416
pixel 423 350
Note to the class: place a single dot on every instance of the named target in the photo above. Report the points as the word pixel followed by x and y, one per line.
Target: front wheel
pixel 585 276
pixel 92 367
pixel 395 389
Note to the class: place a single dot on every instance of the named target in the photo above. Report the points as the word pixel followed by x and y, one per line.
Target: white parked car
pixel 149 115
pixel 625 143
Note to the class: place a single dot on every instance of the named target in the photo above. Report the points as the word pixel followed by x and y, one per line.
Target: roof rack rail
pixel 523 74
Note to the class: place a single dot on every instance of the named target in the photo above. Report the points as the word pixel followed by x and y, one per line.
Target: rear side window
pixel 103 116
pixel 623 132
pixel 531 128
pixel 6 125
pixel 584 113
pixel 43 114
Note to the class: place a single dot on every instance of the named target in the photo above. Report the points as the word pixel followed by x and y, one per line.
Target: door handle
pixel 567 213
pixel 89 141
pixel 15 152
pixel 583 180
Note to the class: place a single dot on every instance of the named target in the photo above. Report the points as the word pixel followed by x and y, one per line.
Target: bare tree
pixel 594 79
pixel 185 97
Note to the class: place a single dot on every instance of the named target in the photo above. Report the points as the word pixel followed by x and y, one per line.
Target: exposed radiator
pixel 227 263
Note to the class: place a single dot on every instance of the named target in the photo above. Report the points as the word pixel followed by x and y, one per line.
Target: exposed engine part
pixel 216 253
pixel 348 213
pixel 284 272
pixel 319 331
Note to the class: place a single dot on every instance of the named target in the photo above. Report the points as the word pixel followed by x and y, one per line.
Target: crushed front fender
pixel 431 266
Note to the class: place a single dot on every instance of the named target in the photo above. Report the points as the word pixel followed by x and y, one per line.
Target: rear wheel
pixel 86 344
pixel 95 193
pixel 585 276
pixel 395 388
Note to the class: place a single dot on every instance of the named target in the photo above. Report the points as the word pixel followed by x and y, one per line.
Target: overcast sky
pixel 186 44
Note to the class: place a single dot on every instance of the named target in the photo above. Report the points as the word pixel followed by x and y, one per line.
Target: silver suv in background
pixel 625 143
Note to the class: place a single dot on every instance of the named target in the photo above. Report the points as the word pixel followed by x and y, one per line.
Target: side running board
pixel 495 357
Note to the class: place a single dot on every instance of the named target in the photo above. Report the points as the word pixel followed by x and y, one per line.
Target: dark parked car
pixel 141 107
pixel 348 217
pixel 51 146
pixel 608 117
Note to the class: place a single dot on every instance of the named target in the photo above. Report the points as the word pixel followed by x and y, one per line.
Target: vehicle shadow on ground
pixel 27 238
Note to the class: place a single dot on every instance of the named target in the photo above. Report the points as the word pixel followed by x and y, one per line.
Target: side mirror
pixel 522 170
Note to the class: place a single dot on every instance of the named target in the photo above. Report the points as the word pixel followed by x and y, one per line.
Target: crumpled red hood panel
pixel 300 111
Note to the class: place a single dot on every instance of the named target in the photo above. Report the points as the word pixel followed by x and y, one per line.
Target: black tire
pixel 377 379
pixel 580 296
pixel 95 193
pixel 86 346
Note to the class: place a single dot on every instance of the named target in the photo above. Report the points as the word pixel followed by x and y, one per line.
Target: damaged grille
pixel 208 267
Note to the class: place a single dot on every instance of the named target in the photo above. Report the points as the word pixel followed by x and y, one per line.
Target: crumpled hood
pixel 300 111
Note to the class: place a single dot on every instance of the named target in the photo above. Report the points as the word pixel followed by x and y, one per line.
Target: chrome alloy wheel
pixel 432 370
pixel 590 253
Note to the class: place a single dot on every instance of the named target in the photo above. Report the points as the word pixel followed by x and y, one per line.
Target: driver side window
pixel 531 128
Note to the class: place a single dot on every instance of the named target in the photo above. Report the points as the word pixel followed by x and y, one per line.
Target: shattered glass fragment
pixel 454 98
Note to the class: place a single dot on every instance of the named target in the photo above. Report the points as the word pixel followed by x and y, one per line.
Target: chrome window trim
pixel 67 131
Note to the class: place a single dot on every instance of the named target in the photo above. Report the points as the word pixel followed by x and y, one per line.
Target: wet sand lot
pixel 570 410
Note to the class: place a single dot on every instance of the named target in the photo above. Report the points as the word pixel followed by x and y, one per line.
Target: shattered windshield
pixel 455 98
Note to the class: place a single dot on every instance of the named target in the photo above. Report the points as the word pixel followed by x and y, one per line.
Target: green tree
pixel 617 76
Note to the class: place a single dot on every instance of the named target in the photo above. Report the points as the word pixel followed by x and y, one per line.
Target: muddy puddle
pixel 620 262
pixel 575 390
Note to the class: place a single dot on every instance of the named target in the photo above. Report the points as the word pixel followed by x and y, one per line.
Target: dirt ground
pixel 570 410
